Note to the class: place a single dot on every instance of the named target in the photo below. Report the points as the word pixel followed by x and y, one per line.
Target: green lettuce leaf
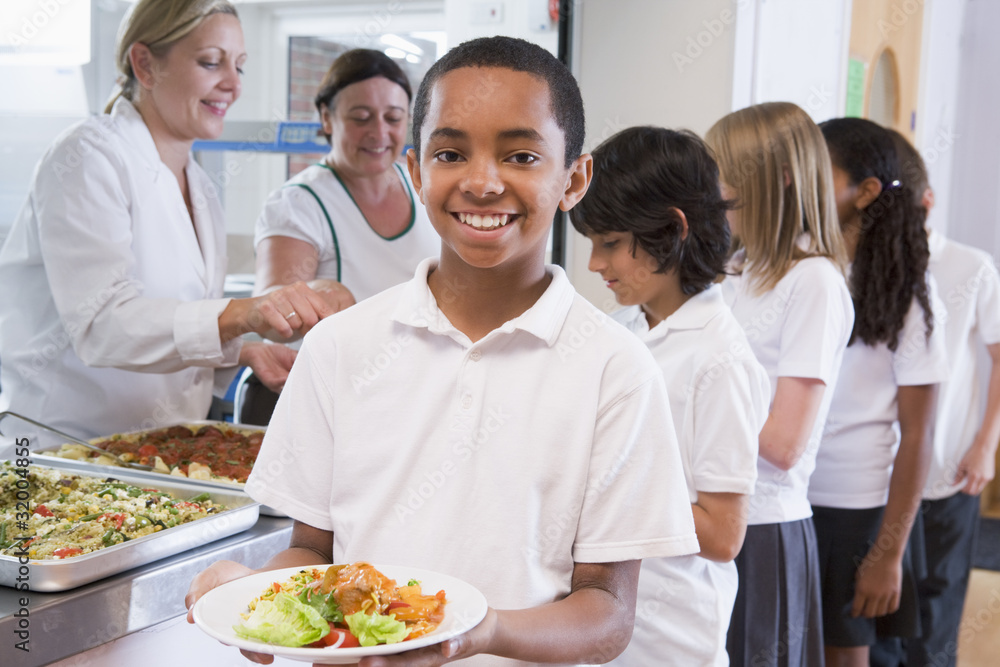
pixel 284 621
pixel 375 628
pixel 326 605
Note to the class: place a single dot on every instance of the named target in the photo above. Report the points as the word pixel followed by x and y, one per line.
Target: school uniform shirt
pixel 719 395
pixel 317 208
pixel 109 312
pixel 501 462
pixel 969 287
pixel 799 328
pixel 859 445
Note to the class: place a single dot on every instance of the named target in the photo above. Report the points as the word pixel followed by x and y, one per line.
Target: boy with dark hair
pixel 513 436
pixel 657 221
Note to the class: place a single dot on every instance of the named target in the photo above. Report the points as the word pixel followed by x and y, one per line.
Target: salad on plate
pixel 338 614
pixel 343 606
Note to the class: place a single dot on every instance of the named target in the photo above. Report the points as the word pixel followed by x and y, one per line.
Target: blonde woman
pixel 789 293
pixel 118 255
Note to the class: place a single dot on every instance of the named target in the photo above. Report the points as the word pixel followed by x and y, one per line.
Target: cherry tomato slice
pixel 340 638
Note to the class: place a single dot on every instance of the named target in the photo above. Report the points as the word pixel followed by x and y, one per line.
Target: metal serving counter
pixel 64 624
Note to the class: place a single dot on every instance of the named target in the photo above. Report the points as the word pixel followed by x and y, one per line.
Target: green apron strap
pixel 329 222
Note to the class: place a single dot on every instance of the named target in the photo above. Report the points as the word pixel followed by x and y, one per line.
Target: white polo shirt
pixel 798 329
pixel 719 396
pixel 859 446
pixel 501 462
pixel 969 287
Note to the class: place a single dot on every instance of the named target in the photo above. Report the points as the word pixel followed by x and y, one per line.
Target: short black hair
pixel 520 56
pixel 354 66
pixel 640 174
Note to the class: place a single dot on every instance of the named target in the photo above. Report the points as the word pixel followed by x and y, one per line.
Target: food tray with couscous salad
pixel 69 528
pixel 212 454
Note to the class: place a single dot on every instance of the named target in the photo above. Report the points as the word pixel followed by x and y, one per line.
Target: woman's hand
pixel 270 363
pixel 288 311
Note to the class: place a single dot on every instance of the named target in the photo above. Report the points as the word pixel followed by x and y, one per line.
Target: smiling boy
pixel 482 449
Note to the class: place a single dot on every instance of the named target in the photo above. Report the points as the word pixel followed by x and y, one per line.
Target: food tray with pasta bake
pixel 211 454
pixel 70 528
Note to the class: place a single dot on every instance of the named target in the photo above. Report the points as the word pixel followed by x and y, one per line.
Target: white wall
pixel 974 206
pixel 527 19
pixel 668 63
pixel 800 54
pixel 938 102
pixel 42 100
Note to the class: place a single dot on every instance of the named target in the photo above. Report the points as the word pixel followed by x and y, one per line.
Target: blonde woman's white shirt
pixel 859 445
pixel 799 328
pixel 315 207
pixel 719 395
pixel 111 298
pixel 969 287
pixel 501 462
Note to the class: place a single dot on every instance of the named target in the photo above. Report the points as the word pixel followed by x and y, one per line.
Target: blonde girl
pixel 789 293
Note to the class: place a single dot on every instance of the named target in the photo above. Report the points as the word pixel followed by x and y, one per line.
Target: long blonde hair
pixel 759 148
pixel 158 24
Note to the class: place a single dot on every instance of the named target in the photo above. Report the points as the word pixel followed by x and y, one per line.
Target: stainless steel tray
pixel 59 575
pixel 49 457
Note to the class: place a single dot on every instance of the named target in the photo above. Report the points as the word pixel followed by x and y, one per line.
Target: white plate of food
pixel 283 612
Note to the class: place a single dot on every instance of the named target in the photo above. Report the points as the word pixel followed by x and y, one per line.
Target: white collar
pixel 694 314
pixel 544 319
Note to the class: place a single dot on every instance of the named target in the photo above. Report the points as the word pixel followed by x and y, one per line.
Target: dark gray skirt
pixel 845 537
pixel 776 619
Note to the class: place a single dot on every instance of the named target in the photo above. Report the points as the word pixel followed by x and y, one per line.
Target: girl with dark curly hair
pixel 657 220
pixel 875 452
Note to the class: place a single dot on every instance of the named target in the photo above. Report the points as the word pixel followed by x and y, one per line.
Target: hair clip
pixel 893 185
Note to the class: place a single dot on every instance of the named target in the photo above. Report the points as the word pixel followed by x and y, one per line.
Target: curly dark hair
pixel 520 56
pixel 890 264
pixel 642 175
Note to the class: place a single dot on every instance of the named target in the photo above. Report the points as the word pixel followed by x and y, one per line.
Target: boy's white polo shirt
pixel 969 287
pixel 859 446
pixel 719 395
pixel 500 462
pixel 798 329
